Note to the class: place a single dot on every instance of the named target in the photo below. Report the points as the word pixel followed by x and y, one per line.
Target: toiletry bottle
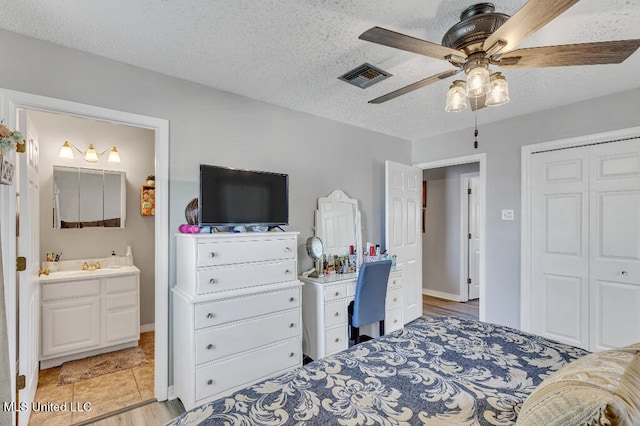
pixel 129 256
pixel 113 261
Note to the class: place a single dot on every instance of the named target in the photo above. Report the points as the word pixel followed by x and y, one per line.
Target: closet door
pixel 615 244
pixel 560 246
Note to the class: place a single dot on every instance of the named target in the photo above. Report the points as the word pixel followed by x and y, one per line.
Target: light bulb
pixel 456 98
pixel 478 81
pixel 499 91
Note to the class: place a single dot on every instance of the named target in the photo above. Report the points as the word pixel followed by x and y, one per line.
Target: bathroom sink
pixel 93 273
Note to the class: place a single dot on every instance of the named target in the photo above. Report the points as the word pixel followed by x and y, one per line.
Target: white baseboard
pixel 147 327
pixel 442 295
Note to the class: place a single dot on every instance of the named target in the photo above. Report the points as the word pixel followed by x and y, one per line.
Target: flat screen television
pixel 234 197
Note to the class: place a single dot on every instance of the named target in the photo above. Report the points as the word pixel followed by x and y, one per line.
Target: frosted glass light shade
pixel 456 98
pixel 91 155
pixel 499 91
pixel 66 151
pixel 478 81
pixel 114 156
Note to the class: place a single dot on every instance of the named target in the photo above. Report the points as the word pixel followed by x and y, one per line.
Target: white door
pixel 403 191
pixel 585 250
pixel 473 255
pixel 615 244
pixel 28 246
pixel 560 246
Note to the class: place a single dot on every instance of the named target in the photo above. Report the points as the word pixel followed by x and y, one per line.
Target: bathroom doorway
pixel 158 250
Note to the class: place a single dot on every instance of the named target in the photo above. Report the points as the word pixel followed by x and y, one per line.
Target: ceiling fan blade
pixel 530 18
pixel 411 44
pixel 606 52
pixel 415 86
pixel 478 103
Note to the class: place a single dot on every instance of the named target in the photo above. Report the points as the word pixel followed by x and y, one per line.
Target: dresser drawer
pixel 395 281
pixel 212 344
pixel 335 292
pixel 245 369
pixel 335 313
pixel 393 320
pixel 237 308
pixel 230 252
pixel 224 278
pixel 336 339
pixel 393 299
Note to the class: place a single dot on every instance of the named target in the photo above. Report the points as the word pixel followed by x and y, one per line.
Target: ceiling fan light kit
pixel 484 37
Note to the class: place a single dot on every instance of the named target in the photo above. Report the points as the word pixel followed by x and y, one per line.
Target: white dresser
pixel 325 301
pixel 236 312
pixel 85 313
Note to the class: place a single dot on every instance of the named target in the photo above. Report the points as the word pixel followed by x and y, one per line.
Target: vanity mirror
pixel 88 198
pixel 338 224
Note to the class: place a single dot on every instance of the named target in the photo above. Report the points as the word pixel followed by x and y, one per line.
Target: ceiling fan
pixel 484 37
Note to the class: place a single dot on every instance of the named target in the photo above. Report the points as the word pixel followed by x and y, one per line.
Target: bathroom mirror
pixel 338 224
pixel 84 198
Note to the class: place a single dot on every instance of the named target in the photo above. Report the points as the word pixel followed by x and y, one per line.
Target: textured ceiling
pixel 290 52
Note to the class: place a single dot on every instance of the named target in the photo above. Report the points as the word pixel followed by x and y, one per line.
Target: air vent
pixel 364 76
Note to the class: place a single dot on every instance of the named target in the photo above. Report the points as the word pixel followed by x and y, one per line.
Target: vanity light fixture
pixel 91 155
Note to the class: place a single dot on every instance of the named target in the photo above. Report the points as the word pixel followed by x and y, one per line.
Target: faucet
pixel 91 266
pixel 43 272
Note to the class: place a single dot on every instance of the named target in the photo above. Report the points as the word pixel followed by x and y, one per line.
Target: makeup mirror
pixel 338 224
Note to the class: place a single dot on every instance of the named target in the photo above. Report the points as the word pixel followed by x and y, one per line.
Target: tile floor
pixel 107 393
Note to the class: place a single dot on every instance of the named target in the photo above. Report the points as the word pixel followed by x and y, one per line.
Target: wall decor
pixel 147 200
pixel 7 169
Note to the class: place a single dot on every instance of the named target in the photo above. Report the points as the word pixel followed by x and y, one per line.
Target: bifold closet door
pixel 585 245
pixel 560 246
pixel 615 244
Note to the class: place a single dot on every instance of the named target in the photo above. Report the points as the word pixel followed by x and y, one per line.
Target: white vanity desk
pixel 85 313
pixel 324 311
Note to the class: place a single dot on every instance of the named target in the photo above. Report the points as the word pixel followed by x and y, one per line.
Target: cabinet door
pixel 70 326
pixel 122 318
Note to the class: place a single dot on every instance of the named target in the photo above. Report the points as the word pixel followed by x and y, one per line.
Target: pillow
pixel 602 388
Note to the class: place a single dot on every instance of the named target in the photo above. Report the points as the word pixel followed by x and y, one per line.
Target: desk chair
pixel 371 293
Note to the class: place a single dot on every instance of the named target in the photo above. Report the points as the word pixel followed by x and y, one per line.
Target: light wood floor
pixel 434 307
pixel 157 413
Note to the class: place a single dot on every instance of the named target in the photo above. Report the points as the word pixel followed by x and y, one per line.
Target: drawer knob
pixel 210 346
pixel 395 321
pixel 211 315
pixel 394 281
pixel 212 254
pixel 624 272
pixel 292 354
pixel 292 325
pixel 287 249
pixel 292 299
pixel 287 271
pixel 337 339
pixel 395 299
pixel 337 293
pixel 213 281
pixel 337 314
pixel 210 381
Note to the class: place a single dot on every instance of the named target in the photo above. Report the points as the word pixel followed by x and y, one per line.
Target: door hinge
pixel 21 381
pixel 468 280
pixel 21 264
pixel 469 236
pixel 469 191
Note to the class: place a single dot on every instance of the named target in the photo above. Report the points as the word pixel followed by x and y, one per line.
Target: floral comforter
pixel 442 371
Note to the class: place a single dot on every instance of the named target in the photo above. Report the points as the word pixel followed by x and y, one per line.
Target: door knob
pixel 624 273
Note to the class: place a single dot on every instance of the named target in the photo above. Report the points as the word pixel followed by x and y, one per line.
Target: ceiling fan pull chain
pixel 475 133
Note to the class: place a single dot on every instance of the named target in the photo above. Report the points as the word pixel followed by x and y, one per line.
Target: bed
pixel 439 371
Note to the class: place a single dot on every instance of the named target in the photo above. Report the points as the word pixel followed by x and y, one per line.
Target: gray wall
pixel 215 127
pixel 137 155
pixel 502 142
pixel 442 239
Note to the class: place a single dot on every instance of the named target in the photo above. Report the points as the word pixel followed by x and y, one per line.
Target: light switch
pixel 507 214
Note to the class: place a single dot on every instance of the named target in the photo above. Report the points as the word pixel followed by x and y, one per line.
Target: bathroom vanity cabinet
pixel 85 313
